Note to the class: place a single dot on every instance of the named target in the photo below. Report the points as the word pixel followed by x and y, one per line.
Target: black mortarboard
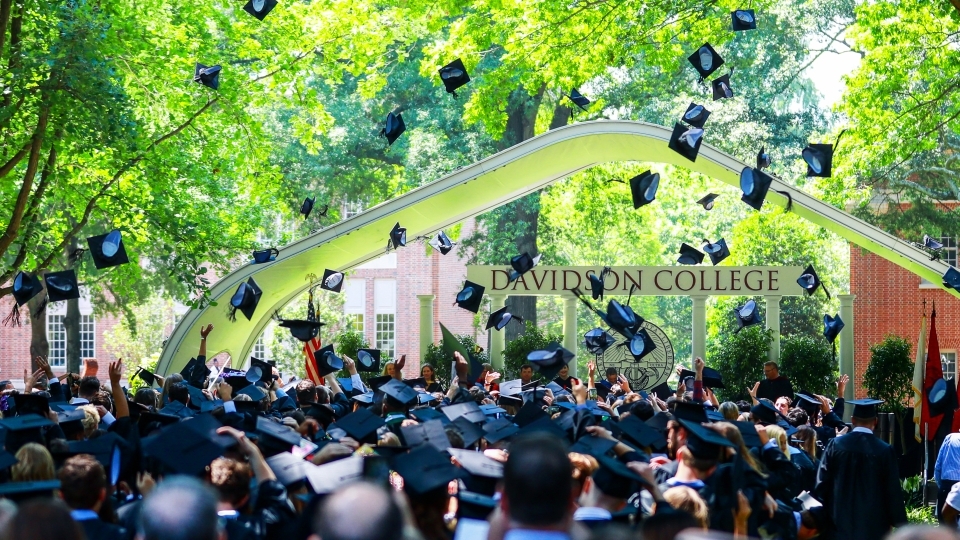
pixel 259 8
pixel 426 414
pixel 188 447
pixel 425 469
pixel 255 392
pixel 641 344
pixel 754 184
pixel 322 412
pixel 529 413
pixel 763 159
pixel 491 410
pixel 473 507
pixel 578 99
pixel 261 369
pixel 468 410
pixel 743 19
pixel 703 442
pixel 807 401
pixel 25 287
pixel 717 251
pixel 430 432
pixel 659 421
pixel 764 412
pixel 261 256
pixel 832 327
pixel 33 403
pixel 208 76
pixel 360 424
pixel 951 278
pixel 686 141
pixel 598 340
pixel 498 430
pixel 197 398
pixel 238 379
pixel 721 88
pixel 641 433
pixel 696 115
pixel 711 377
pixel 398 236
pixel 374 383
pixel 865 408
pixel 442 243
pixel 597 282
pixel 211 405
pixel 368 360
pixel 276 436
pixel 416 382
pixel 522 264
pixel 290 469
pixel 454 75
pixel 22 491
pixel 692 412
pixel 107 250
pixel 469 431
pixel 399 391
pixel 307 206
pixel 545 425
pixel 327 361
pixel 819 159
pixel 643 188
pixel 195 373
pixel 707 201
pixel 107 449
pixel 615 479
pixel 594 446
pixel 747 315
pixel 748 431
pixel 300 329
pixel 689 255
pixel 548 362
pixel 246 298
pixel 148 417
pixel 146 376
pixel 71 422
pixel 501 318
pixel 62 285
pixel 332 280
pixel 332 476
pixel 470 296
pixel 705 60
pixel 20 430
pixel 393 127
pixel 810 281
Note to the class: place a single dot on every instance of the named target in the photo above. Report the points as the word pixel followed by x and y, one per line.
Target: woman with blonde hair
pixel 687 499
pixel 732 433
pixel 776 433
pixel 91 420
pixel 34 464
pixel 784 479
pixel 394 368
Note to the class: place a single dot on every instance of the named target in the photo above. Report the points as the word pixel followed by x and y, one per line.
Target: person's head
pixel 666 524
pixel 731 433
pixel 42 519
pixel 583 467
pixel 7 384
pixel 389 369
pixel 702 467
pixel 181 508
pixel 565 372
pixel 538 482
pixel 428 373
pixel 337 516
pixel 231 479
pixel 179 392
pixel 88 388
pixel 744 406
pixel 148 397
pixel 34 464
pixel 676 438
pixel 783 405
pixel 771 370
pixel 729 410
pixel 642 409
pixel 611 374
pixel 686 499
pixel 869 423
pixel 393 405
pixel 526 373
pixel 808 439
pixel 797 417
pixel 83 483
pixel 324 395
pixel 919 532
pixel 306 392
pixel 171 379
pixel 776 433
pixel 91 420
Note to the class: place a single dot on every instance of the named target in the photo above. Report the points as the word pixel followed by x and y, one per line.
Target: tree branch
pixel 13 226
pixel 5 6
pixel 15 160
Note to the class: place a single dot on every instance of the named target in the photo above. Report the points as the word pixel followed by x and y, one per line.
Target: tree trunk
pixel 38 330
pixel 71 324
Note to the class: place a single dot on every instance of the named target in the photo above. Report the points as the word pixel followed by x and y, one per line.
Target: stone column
pixel 426 323
pixel 497 301
pixel 846 350
pixel 698 341
pixel 570 335
pixel 773 323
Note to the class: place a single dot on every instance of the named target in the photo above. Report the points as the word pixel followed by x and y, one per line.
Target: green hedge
pixel 809 364
pixel 739 358
pixel 515 353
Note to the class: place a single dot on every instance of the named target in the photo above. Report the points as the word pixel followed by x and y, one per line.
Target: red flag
pixel 310 349
pixel 933 374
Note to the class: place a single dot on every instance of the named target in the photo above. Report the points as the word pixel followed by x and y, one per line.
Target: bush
pixel 739 358
pixel 917 512
pixel 441 362
pixel 515 353
pixel 809 364
pixel 889 376
pixel 348 343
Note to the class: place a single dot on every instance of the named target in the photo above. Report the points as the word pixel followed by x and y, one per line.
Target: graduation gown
pixel 773 389
pixel 858 482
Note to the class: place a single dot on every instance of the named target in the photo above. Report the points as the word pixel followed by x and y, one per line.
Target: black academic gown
pixel 807 479
pixel 783 475
pixel 776 388
pixel 101 530
pixel 858 482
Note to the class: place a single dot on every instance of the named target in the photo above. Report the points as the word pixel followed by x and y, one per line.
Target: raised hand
pixel 116 370
pixel 400 363
pixel 753 391
pixel 591 368
pixel 205 331
pixel 842 384
pixel 45 366
pixel 350 365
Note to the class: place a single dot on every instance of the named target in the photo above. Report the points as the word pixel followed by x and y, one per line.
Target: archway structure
pixel 472 190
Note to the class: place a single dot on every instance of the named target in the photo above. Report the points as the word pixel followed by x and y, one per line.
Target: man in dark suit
pixel 774 385
pixel 83 485
pixel 858 481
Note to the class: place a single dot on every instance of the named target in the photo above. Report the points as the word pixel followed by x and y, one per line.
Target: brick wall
pixel 889 300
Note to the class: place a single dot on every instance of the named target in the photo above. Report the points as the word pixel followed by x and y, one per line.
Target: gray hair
pixel 182 508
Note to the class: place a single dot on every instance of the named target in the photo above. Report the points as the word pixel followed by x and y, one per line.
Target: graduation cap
pixel 810 281
pixel 659 421
pixel 290 469
pixel 468 410
pixel 499 430
pixel 686 141
pixel 747 315
pixel 393 127
pixel 430 432
pixel 662 391
pixel 71 422
pixel 360 424
pixel 641 344
pixel 832 327
pixel 529 413
pixel 743 19
pixel 711 377
pixel 865 408
pixel 477 464
pixel 717 251
pixel 721 88
pixel 707 201
pixel 951 278
pixel 522 264
pixel 275 436
pixel 548 362
pixel 307 206
pixel 211 405
pixel 594 446
pixel 641 433
pixel 748 431
pixel 300 329
pixel 703 442
pixel 425 414
pixel 807 401
pixel 763 159
pixel 327 361
pixel 754 184
pixel 933 245
pixel 62 285
pixel 255 392
pixel 246 298
pixel 764 412
pixel 597 282
pixel 819 159
pixel 107 450
pixel 643 188
pixel 368 360
pixel 33 403
pixel 25 287
pixel 261 369
pixel 22 491
pixel 259 8
pixel 501 318
pixel 597 341
pixel 188 447
pixel 442 243
pixel 195 373
pixel 578 99
pixel 374 383
pixel 545 425
pixel 705 60
pixel 208 76
pixel 689 255
pixel 415 382
pixel 470 296
pixel 197 398
pixel 425 469
pixel 469 431
pixel 147 417
pixel 399 391
pixel 322 412
pixel 615 479
pixel 691 412
pixel 332 280
pixel 454 75
pixel 451 345
pixel 398 236
pixel 107 250
pixel 696 115
pixel 149 378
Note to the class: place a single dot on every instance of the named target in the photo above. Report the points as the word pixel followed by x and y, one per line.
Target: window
pixel 57 338
pixel 385 334
pixel 948 255
pixel 352 208
pixel 87 341
pixel 355 322
pixel 260 349
pixel 355 304
pixel 948 359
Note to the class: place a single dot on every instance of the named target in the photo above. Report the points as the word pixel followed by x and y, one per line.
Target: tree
pixel 515 353
pixel 441 362
pixel 889 374
pixel 809 363
pixel 739 358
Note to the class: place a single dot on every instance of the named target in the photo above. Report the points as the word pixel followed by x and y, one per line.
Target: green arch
pixel 472 190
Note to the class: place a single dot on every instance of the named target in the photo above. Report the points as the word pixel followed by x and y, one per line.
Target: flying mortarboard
pixel 754 184
pixel 398 236
pixel 747 315
pixel 763 159
pixel 368 360
pixel 332 280
pixel 454 75
pixel 300 329
pixel 717 251
pixel 208 76
pixel 597 283
pixel 707 201
pixel 500 318
pixel 146 376
pixel 743 19
pixel 259 8
pixel 686 141
pixel 641 344
pixel 832 327
pixel 107 250
pixel 307 206
pixel 578 99
pixel 696 115
pixel 260 371
pixel 25 287
pixel 62 285
pixel 711 377
pixel 393 127
pixel 819 159
pixel 245 299
pixel 689 255
pixel 597 341
pixel 643 188
pixel 721 88
pixel 522 264
pixel 548 362
pixel 327 361
pixel 810 281
pixel 705 60
pixel 951 278
pixel 470 296
pixel 442 243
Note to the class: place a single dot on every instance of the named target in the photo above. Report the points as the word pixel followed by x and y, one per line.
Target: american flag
pixel 310 349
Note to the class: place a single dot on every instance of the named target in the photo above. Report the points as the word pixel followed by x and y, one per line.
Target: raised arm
pixel 204 332
pixel 119 398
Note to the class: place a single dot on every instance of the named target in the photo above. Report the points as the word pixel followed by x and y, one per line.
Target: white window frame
pixel 948 255
pixel 949 363
pixel 56 339
pixel 385 316
pixel 88 319
pixel 357 323
pixel 260 349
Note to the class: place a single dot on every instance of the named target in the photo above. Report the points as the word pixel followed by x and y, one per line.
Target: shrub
pixel 889 376
pixel 515 353
pixel 348 343
pixel 739 358
pixel 441 362
pixel 809 364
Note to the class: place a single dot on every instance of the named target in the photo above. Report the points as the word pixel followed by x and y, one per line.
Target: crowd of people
pixel 247 455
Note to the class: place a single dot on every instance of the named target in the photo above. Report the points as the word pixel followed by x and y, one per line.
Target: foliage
pixel 441 362
pixel 917 511
pixel 515 353
pixel 889 374
pixel 739 358
pixel 148 363
pixel 349 342
pixel 809 364
pixel 140 335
